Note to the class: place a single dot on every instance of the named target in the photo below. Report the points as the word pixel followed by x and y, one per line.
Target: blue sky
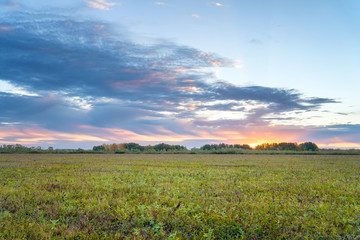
pixel 83 73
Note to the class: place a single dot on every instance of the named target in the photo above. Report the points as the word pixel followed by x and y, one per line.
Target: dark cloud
pixel 89 59
pixel 125 85
pixel 47 111
pixel 60 114
pixel 333 133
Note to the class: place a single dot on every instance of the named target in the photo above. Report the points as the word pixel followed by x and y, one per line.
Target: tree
pixel 308 146
pixel 206 147
pixel 244 146
pixel 133 146
pixel 162 147
pixel 99 148
pixel 288 146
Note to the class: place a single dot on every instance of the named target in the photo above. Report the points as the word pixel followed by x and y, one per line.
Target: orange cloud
pixel 187 89
pixel 192 106
pixel 101 4
pixel 4 28
pixel 163 135
pixel 99 27
pixel 340 145
pixel 181 70
pixel 188 81
pixel 36 136
pixel 87 133
pixel 39 135
pixel 215 63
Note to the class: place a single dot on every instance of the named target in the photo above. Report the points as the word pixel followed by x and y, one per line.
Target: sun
pixel 252 145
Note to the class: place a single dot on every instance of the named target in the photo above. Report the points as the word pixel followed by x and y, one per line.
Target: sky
pixel 79 73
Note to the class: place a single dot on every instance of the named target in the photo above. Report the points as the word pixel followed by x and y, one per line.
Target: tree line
pixel 222 148
pixel 306 146
pixel 208 148
pixel 135 147
pixel 18 148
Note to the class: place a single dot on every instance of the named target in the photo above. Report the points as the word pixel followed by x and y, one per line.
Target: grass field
pixel 179 197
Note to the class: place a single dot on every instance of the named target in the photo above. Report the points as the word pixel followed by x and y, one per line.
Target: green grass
pixel 179 197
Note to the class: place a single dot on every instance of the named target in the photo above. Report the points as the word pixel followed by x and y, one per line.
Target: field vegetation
pixel 179 196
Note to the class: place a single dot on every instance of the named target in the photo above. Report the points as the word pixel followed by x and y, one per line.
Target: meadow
pixel 174 196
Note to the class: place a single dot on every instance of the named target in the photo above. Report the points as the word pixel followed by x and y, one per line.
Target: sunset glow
pixel 83 73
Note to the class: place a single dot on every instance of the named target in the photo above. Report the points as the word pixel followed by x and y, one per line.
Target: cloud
pixel 9 4
pixel 4 28
pixel 85 58
pixel 36 135
pixel 101 4
pixel 333 134
pixel 160 3
pixel 6 87
pixel 195 15
pixel 84 73
pixel 216 4
pixel 88 136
